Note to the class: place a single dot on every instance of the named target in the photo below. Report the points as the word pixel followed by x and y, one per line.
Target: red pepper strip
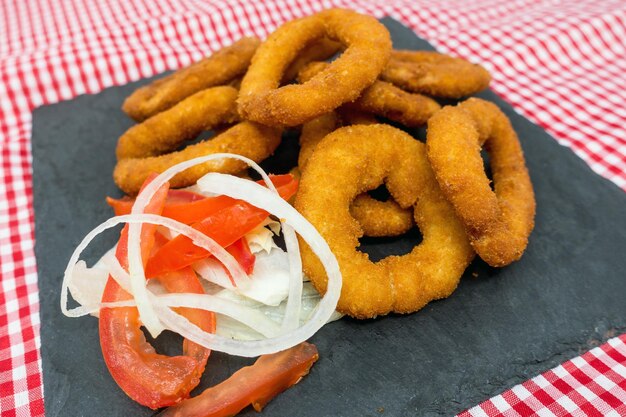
pixel 151 379
pixel 256 385
pixel 241 252
pixel 225 226
pixel 178 205
pixel 189 207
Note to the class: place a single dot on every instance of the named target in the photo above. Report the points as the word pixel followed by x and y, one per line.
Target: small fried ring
pixel 366 40
pixel 385 99
pixel 248 139
pixel 350 161
pixel 165 131
pixel 498 223
pixel 377 218
pixel 218 69
pixel 435 74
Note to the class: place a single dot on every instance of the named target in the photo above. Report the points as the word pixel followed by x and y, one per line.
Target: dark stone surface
pixel 565 296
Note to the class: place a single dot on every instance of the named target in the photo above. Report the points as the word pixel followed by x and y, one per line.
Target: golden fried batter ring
pixel 381 218
pixel 167 130
pixel 435 74
pixel 350 161
pixel 498 223
pixel 366 41
pixel 385 99
pixel 249 139
pixel 319 51
pixel 312 133
pixel 377 218
pixel 218 69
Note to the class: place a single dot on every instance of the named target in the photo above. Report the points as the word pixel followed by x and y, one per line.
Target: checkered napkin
pixel 559 63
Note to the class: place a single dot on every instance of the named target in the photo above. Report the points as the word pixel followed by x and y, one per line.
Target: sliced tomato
pixel 242 253
pixel 151 379
pixel 225 225
pixel 253 385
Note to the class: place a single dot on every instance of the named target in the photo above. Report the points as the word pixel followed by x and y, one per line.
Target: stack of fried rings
pixel 441 186
pixel 452 184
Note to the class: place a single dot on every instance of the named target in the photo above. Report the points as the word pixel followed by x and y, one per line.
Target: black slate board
pixel 565 296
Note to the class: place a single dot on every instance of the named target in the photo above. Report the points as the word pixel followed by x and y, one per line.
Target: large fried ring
pixel 249 139
pixel 376 218
pixel 218 69
pixel 435 74
pixel 366 41
pixel 166 131
pixel 498 222
pixel 351 161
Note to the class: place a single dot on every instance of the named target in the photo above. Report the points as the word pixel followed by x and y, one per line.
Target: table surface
pixel 559 63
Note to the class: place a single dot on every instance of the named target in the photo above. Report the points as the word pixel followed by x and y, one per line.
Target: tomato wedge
pixel 253 385
pixel 225 225
pixel 150 379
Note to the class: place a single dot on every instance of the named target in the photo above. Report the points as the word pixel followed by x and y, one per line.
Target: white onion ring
pixel 197 237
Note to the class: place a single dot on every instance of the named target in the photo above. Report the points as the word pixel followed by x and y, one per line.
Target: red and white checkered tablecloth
pixel 561 63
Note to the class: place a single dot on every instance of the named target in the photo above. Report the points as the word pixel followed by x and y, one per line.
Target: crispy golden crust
pixel 318 51
pixel 377 218
pixel 384 99
pixel 312 133
pixel 217 69
pixel 249 139
pixel 366 41
pixel 350 161
pixel 167 130
pixel 381 218
pixel 497 223
pixel 435 74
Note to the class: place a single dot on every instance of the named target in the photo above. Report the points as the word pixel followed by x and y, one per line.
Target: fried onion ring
pixel 218 69
pixel 319 51
pixel 377 218
pixel 435 74
pixel 351 161
pixel 366 41
pixel 498 223
pixel 248 139
pixel 381 218
pixel 165 131
pixel 384 99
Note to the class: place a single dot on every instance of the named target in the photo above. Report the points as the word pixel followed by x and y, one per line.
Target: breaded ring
pixel 377 218
pixel 366 41
pixel 381 218
pixel 218 69
pixel 249 139
pixel 312 133
pixel 435 74
pixel 167 130
pixel 352 116
pixel 498 223
pixel 319 51
pixel 351 161
pixel 384 99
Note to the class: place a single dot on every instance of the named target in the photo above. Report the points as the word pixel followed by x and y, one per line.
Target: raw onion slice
pixel 197 237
